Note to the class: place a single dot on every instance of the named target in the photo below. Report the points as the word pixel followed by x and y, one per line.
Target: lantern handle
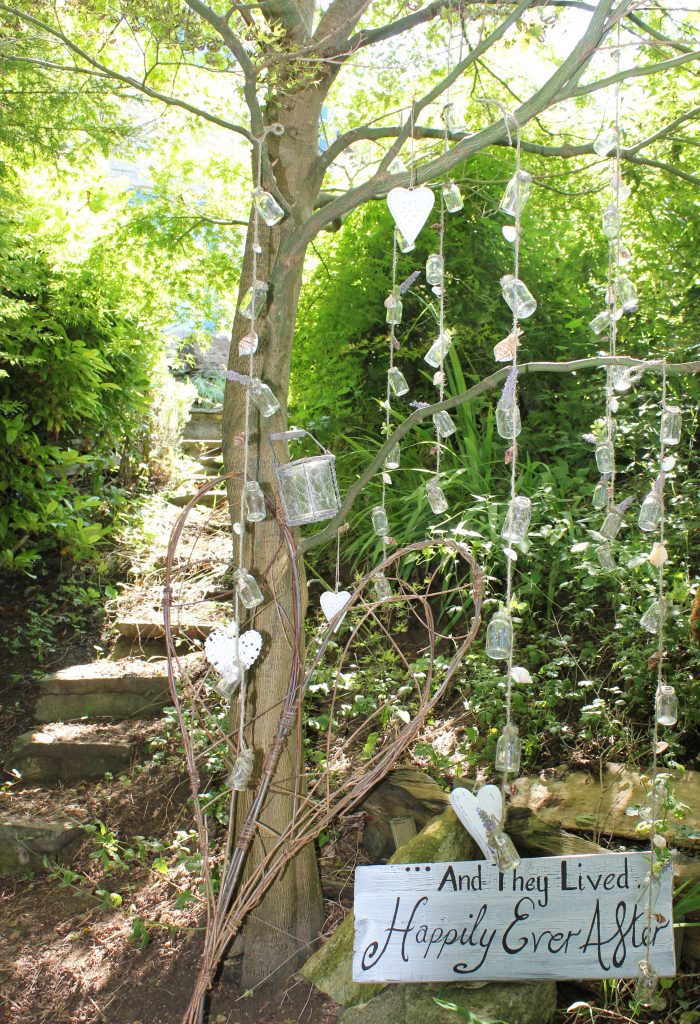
pixel 291 435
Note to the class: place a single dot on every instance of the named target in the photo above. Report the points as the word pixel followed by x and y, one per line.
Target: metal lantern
pixel 308 487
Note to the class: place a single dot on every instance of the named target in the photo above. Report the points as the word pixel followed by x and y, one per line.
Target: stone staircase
pixel 96 718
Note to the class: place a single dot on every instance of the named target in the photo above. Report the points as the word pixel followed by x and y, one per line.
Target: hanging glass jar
pixel 516 194
pixel 502 851
pixel 671 425
pixel 605 457
pixel 434 269
pixel 606 142
pixel 611 222
pixel 308 486
pixel 452 197
pixel 646 989
pixel 626 294
pixel 268 207
pixel 600 494
pixel 393 459
pixel 522 303
pixel 436 496
pixel 508 750
pixel 508 422
pixel 394 307
pixel 380 523
pixel 650 513
pixel 444 424
pixel 254 301
pixel 653 616
pixel 403 243
pixel 611 525
pixel 397 382
pixel 606 559
pixel 601 322
pixel 666 705
pixel 239 776
pixel 382 587
pixel 247 587
pixel 499 637
pixel 438 350
pixel 620 378
pixel 263 398
pixel 253 502
pixel 517 520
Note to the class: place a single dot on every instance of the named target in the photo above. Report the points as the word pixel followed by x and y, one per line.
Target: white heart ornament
pixel 332 603
pixel 225 650
pixel 467 806
pixel 410 208
pixel 249 647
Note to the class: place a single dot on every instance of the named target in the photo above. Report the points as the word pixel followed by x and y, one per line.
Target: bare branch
pixel 487 384
pixel 649 69
pixel 368 37
pixel 662 132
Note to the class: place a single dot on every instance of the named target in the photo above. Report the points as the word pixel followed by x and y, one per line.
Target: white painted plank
pixel 552 917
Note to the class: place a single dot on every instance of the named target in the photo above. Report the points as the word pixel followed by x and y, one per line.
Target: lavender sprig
pixel 242 378
pixel 508 393
pixel 405 285
pixel 624 505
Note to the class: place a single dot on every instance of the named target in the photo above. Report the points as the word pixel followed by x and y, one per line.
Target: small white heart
pixel 249 647
pixel 410 208
pixel 467 806
pixel 332 603
pixel 509 233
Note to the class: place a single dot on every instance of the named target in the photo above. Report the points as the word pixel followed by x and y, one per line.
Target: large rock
pixel 24 843
pixel 203 423
pixel 104 689
pixel 70 753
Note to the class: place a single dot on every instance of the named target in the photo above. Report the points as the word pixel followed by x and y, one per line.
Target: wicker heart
pixel 410 208
pixel 332 603
pixel 467 806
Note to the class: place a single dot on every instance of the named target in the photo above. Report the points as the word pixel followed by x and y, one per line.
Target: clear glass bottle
pixel 254 301
pixel 611 524
pixel 600 494
pixel 436 496
pixel 239 776
pixel 652 617
pixel 380 523
pixel 439 349
pixel 434 269
pixel 646 989
pixel 444 424
pixel 248 590
pixel 606 142
pixel 508 422
pixel 268 207
pixel 248 345
pixel 666 705
pixel 394 308
pixel 263 398
pixel 393 459
pixel 517 521
pixel 382 587
pixel 253 502
pixel 516 194
pixel 611 221
pixel 650 513
pixel 403 244
pixel 620 378
pixel 452 197
pixel 671 425
pixel 522 303
pixel 606 559
pixel 626 294
pixel 600 322
pixel 397 382
pixel 499 637
pixel 605 457
pixel 503 853
pixel 508 750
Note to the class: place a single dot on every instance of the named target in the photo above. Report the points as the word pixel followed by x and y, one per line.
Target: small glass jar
pixel 438 350
pixel 268 207
pixel 393 459
pixel 671 425
pixel 403 243
pixel 606 559
pixel 611 524
pixel 382 587
pixel 626 294
pixel 646 989
pixel 434 269
pixel 605 457
pixel 263 398
pixel 601 322
pixel 397 382
pixel 653 616
pixel 522 303
pixel 394 308
pixel 247 587
pixel 254 301
pixel 380 523
pixel 508 422
pixel 666 705
pixel 600 494
pixel 499 637
pixel 508 750
pixel 253 502
pixel 650 513
pixel 516 194
pixel 503 853
pixel 436 496
pixel 444 424
pixel 606 142
pixel 452 197
pixel 620 378
pixel 239 776
pixel 611 222
pixel 517 520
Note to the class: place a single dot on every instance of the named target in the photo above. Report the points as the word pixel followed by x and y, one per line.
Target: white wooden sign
pixel 552 917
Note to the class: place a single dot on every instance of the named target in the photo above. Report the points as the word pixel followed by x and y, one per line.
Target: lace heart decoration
pixel 410 208
pixel 469 808
pixel 226 651
pixel 332 603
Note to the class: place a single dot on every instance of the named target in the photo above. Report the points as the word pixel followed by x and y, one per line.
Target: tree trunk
pixel 279 931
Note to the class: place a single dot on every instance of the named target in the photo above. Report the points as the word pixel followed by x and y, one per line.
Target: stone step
pixel 24 842
pixel 203 423
pixel 72 753
pixel 193 624
pixel 212 465
pixel 104 689
pixel 197 447
pixel 215 498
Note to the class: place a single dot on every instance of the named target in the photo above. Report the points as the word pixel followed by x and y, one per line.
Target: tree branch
pixel 570 366
pixel 649 69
